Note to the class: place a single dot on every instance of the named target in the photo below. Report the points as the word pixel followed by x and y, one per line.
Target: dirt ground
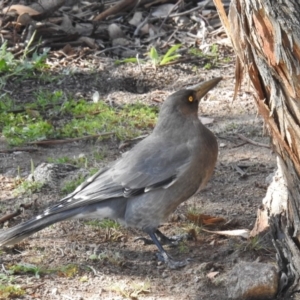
pixel 128 269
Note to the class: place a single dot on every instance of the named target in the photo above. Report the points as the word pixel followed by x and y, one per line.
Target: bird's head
pixel 186 101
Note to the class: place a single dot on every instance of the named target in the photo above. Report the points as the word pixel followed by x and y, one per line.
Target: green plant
pixel 208 66
pixel 183 247
pixel 80 161
pixel 11 292
pixel 214 49
pixel 212 56
pixel 61 160
pixel 231 126
pixel 104 224
pixel 71 185
pixel 131 290
pixel 129 60
pixel 69 270
pixel 27 187
pixel 33 122
pixel 23 67
pixel 256 243
pixel 170 56
pixel 113 257
pixel 196 52
pixel 25 268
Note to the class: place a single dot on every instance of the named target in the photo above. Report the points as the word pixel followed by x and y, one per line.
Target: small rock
pixel 96 97
pixel 136 19
pixel 256 281
pixel 51 174
pixel 162 10
pixel 222 145
pixel 54 291
pixel 120 42
pixel 115 32
pixel 182 20
pixel 128 53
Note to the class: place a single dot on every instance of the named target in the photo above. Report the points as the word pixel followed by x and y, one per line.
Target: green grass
pixel 26 269
pixel 23 67
pixel 113 257
pixel 27 187
pixel 212 57
pixel 169 56
pixel 156 59
pixel 11 292
pixel 70 186
pixel 9 289
pixel 72 119
pixel 80 161
pixel 104 224
pixel 69 270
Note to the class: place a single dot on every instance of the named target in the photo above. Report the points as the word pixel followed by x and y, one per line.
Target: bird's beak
pixel 202 88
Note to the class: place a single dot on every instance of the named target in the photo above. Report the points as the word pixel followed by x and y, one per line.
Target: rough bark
pixel 266 37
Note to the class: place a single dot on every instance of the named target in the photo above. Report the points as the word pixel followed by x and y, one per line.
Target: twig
pixel 120 6
pixel 138 28
pixel 111 48
pixel 32 286
pixel 242 173
pixel 25 149
pixel 129 142
pixel 96 273
pixel 170 37
pixel 55 142
pixel 242 137
pixel 168 14
pixel 10 216
pixel 26 206
pixel 182 13
pixel 240 145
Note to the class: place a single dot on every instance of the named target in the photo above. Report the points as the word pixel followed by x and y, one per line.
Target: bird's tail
pixel 16 234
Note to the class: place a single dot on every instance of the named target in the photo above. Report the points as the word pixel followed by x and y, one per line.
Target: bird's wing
pixel 150 165
pixel 156 165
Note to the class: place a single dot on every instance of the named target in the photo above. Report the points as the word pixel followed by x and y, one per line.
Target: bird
pixel 147 183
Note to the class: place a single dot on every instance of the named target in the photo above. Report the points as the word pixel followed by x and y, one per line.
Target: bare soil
pixel 129 269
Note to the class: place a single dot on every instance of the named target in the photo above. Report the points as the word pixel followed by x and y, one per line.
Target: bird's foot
pixel 145 240
pixel 173 240
pixel 171 262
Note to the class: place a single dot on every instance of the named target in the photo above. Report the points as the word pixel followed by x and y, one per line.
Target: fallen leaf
pixel 206 121
pixel 244 233
pixel 136 19
pixel 21 9
pixel 200 219
pixel 212 275
pixel 163 10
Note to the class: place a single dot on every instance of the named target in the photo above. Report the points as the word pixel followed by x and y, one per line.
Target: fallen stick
pixel 25 149
pixel 242 137
pixel 120 6
pixel 56 142
pixel 10 216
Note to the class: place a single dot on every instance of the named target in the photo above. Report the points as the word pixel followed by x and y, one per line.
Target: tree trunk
pixel 266 38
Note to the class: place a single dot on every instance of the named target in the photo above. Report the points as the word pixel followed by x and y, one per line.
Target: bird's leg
pixel 164 240
pixel 163 255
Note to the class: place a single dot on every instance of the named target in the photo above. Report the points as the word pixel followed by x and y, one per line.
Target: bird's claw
pixel 171 262
pixel 145 240
pixel 173 240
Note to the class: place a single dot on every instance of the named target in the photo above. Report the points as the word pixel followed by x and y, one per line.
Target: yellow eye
pixel 191 98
